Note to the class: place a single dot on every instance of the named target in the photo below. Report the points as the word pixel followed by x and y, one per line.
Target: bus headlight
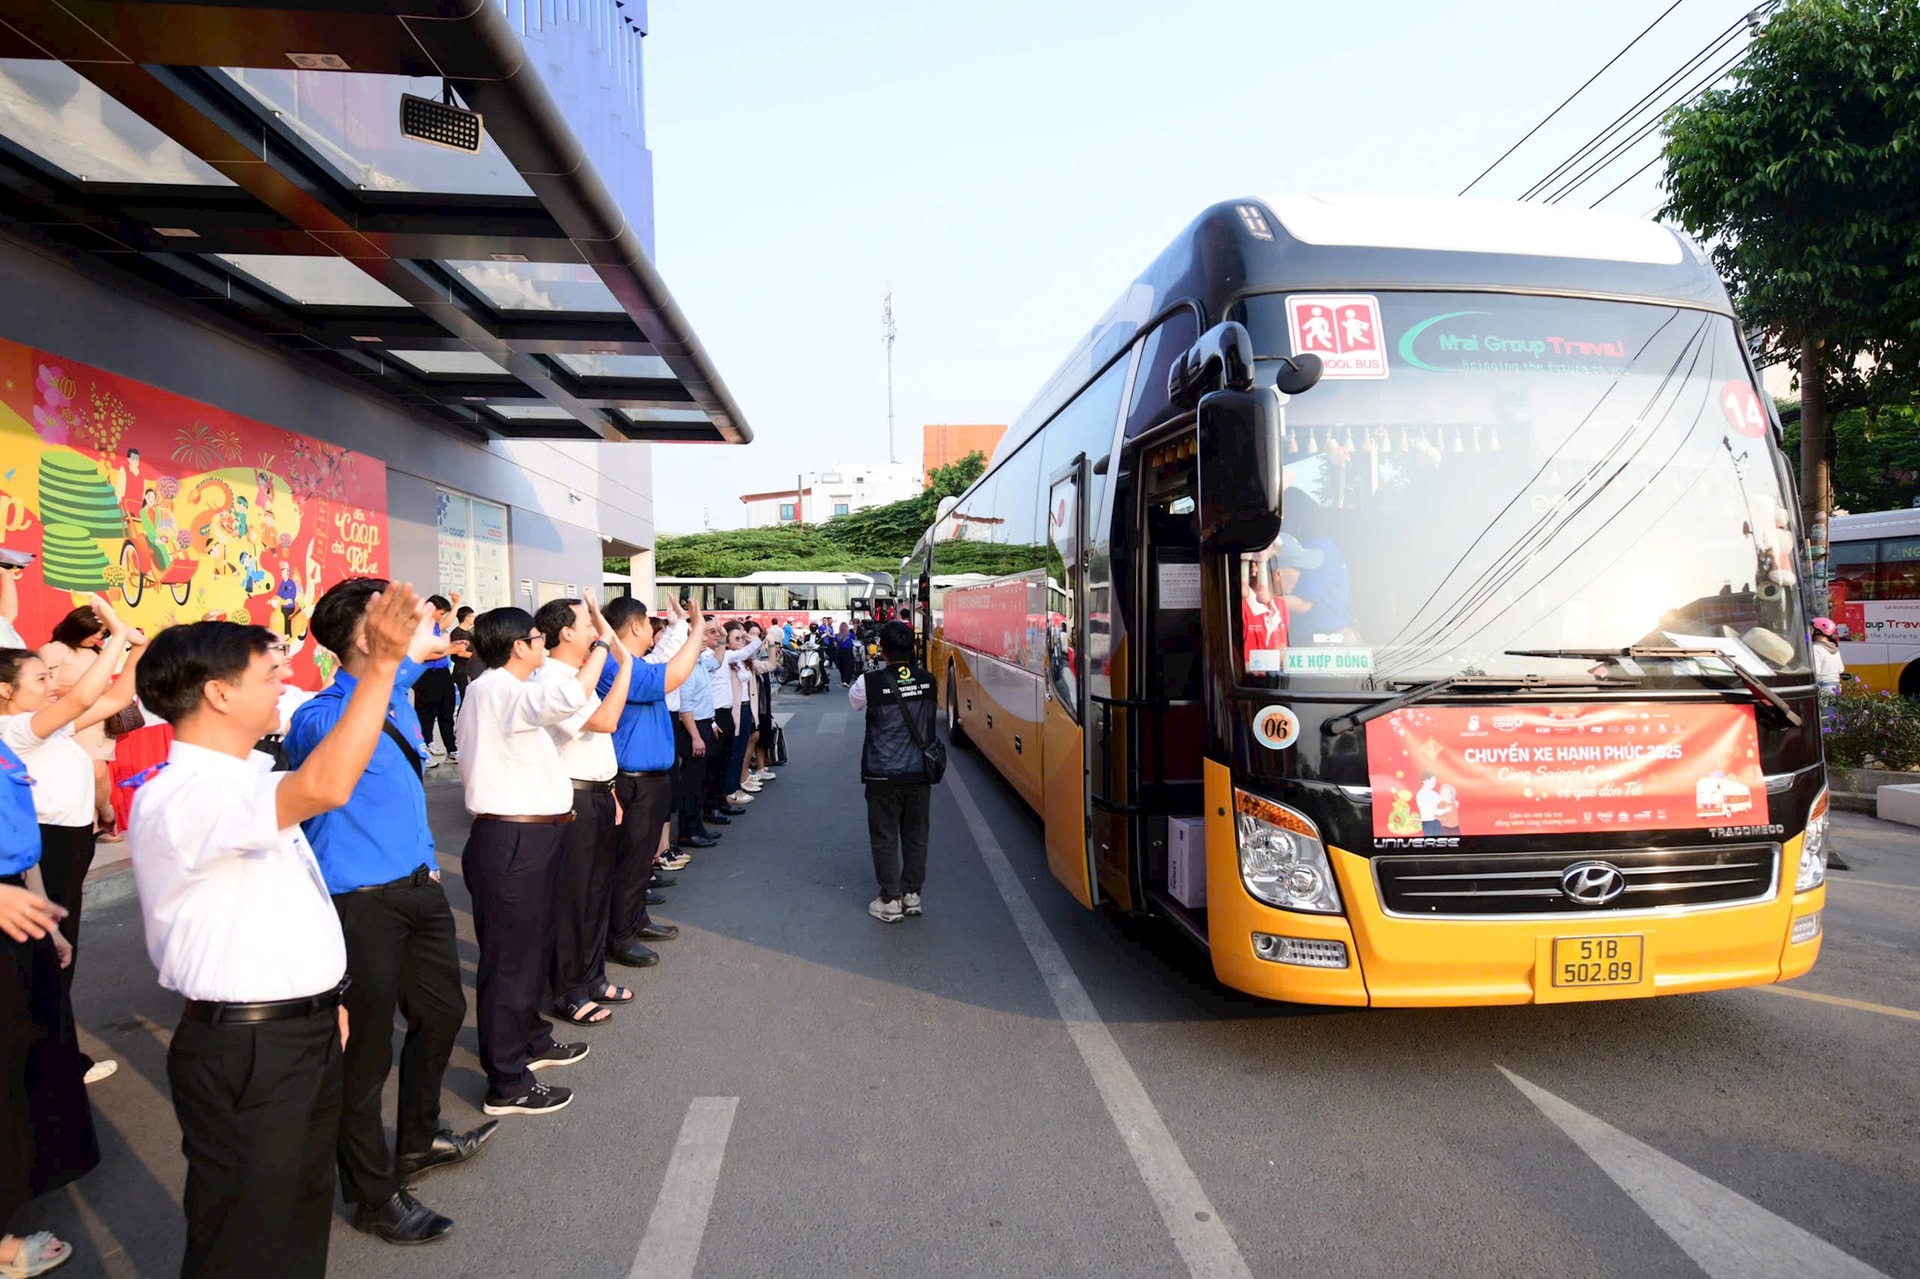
pixel 1813 848
pixel 1282 861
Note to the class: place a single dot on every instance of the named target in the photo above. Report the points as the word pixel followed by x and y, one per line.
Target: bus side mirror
pixel 1240 469
pixel 1298 373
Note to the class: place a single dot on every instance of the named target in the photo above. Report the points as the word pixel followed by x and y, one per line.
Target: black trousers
pixel 433 702
pixel 897 822
pixel 579 968
pixel 401 954
pixel 512 869
pixel 645 801
pixel 719 754
pixel 259 1112
pixel 66 855
pixel 46 1123
pixel 693 775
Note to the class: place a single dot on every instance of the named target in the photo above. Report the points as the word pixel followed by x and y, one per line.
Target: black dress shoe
pixel 656 899
pixel 401 1219
pixel 718 819
pixel 449 1147
pixel 633 955
pixel 701 841
pixel 731 810
pixel 658 932
pixel 662 881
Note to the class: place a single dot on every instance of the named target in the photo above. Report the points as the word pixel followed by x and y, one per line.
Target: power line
pixel 1627 118
pixel 1570 97
pixel 1692 95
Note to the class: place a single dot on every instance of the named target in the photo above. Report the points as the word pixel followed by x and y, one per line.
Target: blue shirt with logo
pixel 439 663
pixel 380 834
pixel 643 743
pixel 19 824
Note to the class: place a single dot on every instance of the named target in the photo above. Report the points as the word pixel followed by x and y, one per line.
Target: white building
pixel 818 496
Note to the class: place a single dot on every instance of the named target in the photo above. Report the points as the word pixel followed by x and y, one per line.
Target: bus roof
pixel 1848 528
pixel 1346 243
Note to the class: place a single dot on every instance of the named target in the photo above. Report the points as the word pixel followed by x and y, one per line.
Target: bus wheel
pixel 1910 680
pixel 955 733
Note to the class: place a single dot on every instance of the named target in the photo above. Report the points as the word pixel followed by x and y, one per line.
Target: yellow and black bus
pixel 1406 604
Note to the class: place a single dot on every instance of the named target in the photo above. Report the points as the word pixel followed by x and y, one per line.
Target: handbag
pixel 933 754
pixel 777 747
pixel 127 719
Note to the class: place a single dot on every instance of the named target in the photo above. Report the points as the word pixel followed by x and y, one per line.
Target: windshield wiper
pixel 1754 683
pixel 1462 682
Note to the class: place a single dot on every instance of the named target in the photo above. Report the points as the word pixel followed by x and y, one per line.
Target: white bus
pixel 785 596
pixel 1874 564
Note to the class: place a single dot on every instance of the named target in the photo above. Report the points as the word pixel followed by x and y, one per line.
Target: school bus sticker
pixel 1343 329
pixel 1276 727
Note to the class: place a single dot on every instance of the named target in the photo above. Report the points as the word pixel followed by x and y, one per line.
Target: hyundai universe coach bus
pixel 1411 612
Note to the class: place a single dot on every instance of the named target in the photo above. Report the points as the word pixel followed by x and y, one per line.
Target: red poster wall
pixel 1519 770
pixel 177 510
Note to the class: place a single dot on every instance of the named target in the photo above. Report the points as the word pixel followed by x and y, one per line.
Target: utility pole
pixel 887 332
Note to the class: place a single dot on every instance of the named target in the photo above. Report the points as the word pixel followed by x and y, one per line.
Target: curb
pixel 105 887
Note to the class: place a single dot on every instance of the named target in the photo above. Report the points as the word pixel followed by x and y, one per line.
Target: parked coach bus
pixel 1875 564
pixel 788 597
pixel 1409 612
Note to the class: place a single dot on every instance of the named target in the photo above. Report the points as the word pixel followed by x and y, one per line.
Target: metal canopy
pixel 177 143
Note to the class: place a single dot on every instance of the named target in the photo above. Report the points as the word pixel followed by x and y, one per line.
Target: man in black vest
pixel 899 702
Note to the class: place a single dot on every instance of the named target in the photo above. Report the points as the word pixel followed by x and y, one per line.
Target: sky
pixel 1008 168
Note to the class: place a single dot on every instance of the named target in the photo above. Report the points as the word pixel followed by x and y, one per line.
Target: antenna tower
pixel 887 332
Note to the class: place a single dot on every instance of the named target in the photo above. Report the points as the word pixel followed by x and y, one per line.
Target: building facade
pixel 818 496
pixel 944 443
pixel 249 369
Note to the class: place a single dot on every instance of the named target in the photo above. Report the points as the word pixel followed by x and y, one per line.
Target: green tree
pixel 1876 455
pixel 1804 178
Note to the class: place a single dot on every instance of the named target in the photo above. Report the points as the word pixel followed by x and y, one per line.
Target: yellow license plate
pixel 1598 961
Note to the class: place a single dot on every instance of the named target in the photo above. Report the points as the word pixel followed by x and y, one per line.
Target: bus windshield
pixel 1483 473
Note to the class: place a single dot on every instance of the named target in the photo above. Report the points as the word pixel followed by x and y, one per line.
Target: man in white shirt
pixel 522 801
pixel 574 629
pixel 239 921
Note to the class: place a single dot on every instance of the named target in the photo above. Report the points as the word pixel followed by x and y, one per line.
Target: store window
pixel 473 550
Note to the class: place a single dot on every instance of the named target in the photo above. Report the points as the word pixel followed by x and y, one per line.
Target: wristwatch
pixel 599 643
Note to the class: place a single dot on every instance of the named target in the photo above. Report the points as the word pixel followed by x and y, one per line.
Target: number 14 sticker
pixel 1742 406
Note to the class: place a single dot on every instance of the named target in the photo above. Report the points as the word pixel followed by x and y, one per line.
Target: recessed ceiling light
pixel 362 337
pixel 509 257
pixel 177 232
pixel 318 61
pixel 474 399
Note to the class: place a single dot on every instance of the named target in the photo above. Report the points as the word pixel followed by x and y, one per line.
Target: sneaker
pixel 100 1070
pixel 740 799
pixel 453 757
pixel 764 775
pixel 541 1099
pixel 558 1055
pixel 911 903
pixel 678 862
pixel 435 748
pixel 886 910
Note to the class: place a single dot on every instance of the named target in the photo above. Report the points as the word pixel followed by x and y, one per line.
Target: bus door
pixel 1063 749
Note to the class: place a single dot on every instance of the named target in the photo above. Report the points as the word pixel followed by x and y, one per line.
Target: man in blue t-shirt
pixel 434 698
pixel 376 854
pixel 661 660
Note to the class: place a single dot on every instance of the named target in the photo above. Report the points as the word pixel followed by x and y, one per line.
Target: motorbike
pixel 813 669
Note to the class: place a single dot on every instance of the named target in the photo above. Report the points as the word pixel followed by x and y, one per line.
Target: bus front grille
pixel 1521 884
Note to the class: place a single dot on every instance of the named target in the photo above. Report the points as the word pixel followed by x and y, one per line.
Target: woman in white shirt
pixel 41 728
pixel 75 646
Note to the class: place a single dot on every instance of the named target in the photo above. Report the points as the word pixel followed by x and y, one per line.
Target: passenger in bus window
pixel 1267 578
pixel 1318 601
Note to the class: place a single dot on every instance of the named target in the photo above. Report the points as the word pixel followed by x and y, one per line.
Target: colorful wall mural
pixel 179 511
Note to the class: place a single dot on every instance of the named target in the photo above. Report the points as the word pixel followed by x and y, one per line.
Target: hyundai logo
pixel 1592 883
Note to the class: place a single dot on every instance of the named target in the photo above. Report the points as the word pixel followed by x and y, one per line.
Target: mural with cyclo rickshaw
pixel 178 510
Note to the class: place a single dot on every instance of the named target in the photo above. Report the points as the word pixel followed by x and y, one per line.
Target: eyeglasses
pixel 538 637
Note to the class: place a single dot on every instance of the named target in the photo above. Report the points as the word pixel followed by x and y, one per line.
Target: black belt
pixel 528 819
pixel 654 772
pixel 217 1014
pixel 593 786
pixel 420 875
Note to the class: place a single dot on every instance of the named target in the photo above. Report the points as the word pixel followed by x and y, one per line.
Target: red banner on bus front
pixel 1522 770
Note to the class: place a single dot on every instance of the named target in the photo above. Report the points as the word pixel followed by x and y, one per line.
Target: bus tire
pixel 956 734
pixel 1909 684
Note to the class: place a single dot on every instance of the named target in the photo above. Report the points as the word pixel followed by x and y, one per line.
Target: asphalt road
pixel 802 1091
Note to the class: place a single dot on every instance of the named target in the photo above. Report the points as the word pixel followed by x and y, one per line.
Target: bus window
pixel 1898 577
pixel 1851 565
pixel 1168 341
pixel 721 594
pixel 662 596
pixel 831 598
pixel 746 598
pixel 1086 426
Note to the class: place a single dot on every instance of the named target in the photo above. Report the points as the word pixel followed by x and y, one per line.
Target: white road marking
pixel 1727 1235
pixel 679 1222
pixel 833 723
pixel 1202 1238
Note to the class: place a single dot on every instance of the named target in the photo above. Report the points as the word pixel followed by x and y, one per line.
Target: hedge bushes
pixel 1865 729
